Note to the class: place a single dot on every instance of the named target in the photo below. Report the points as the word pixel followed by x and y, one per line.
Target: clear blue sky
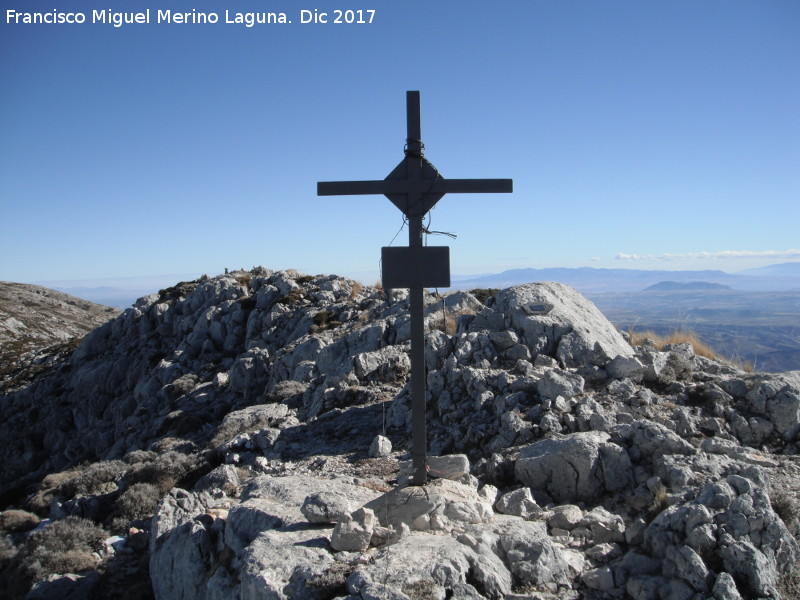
pixel 658 134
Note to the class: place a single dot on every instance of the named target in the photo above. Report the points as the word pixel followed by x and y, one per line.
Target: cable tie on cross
pixel 408 152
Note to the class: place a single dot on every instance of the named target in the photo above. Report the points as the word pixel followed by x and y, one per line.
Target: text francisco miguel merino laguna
pixel 248 19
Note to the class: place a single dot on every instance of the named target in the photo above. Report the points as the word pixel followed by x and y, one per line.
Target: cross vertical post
pixel 415 186
pixel 418 384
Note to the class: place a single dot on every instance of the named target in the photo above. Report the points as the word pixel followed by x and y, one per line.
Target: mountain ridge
pixel 33 318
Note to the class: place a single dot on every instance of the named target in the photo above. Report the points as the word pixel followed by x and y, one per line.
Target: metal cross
pixel 415 186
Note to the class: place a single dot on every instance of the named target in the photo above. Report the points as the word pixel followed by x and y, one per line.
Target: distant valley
pixel 762 328
pixel 752 315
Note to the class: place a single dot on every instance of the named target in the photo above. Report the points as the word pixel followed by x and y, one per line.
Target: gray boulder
pixel 439 505
pixel 282 565
pixel 326 507
pixel 353 532
pixel 557 383
pixel 778 397
pixel 519 503
pixel 557 320
pixel 525 548
pixel 579 466
pixel 425 563
pixel 381 447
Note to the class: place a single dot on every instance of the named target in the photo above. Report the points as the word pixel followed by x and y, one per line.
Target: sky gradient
pixel 662 134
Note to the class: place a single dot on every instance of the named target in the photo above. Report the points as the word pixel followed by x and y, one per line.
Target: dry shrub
pixel 423 589
pixel 138 502
pixel 659 502
pixel 140 456
pixel 244 278
pixel 789 582
pixel 97 478
pixel 14 520
pixel 786 506
pixel 165 471
pixel 355 290
pixel 7 551
pixel 56 480
pixel 483 295
pixel 445 322
pixel 683 336
pixel 333 581
pixel 65 546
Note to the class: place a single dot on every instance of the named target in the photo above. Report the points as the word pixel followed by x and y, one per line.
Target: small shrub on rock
pixel 787 507
pixel 484 295
pixel 333 581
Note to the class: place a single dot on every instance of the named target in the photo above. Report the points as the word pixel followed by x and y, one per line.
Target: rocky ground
pixel 34 321
pixel 246 436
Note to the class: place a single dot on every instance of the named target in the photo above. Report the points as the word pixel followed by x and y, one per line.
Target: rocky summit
pixel 246 436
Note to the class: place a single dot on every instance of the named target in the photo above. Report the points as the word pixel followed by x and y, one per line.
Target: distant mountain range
pixel 689 286
pixel 779 277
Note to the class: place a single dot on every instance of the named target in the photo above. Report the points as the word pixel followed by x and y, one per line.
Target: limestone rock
pixel 326 506
pixel 283 565
pixel 566 517
pixel 525 548
pixel 381 447
pixel 778 396
pixel 425 561
pixel 605 526
pixel 579 466
pixel 452 466
pixel 519 503
pixel 748 563
pixel 556 320
pixel 287 376
pixel 224 476
pixel 435 506
pixel 557 383
pixel 354 531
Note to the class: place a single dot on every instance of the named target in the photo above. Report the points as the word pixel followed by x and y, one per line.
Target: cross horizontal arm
pixel 399 186
pixel 357 188
pixel 473 186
